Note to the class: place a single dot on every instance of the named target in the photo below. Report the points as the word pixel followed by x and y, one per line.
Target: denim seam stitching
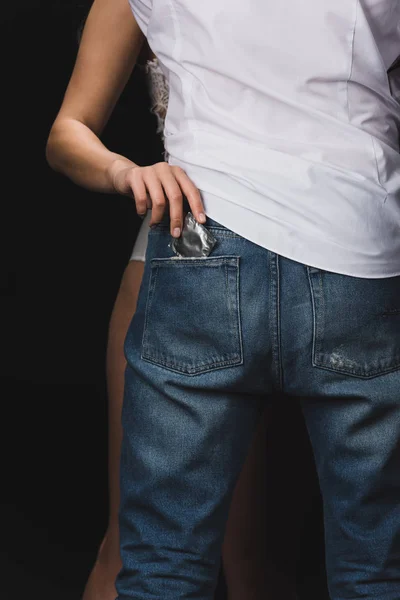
pixel 278 325
pixel 153 280
pixel 353 373
pixel 321 320
pixel 197 261
pixel 392 311
pixel 238 310
pixel 313 352
pixel 272 319
pixel 202 367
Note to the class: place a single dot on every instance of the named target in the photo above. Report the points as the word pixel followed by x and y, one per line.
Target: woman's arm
pixel 110 44
pixel 108 51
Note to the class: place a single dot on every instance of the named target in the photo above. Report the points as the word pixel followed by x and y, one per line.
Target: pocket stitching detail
pixel 224 360
pixel 318 357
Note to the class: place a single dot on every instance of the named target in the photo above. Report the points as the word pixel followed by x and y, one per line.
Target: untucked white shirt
pixel 284 115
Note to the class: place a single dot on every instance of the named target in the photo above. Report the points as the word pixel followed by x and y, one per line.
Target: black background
pixel 63 253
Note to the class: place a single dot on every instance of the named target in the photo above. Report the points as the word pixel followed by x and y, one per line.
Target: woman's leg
pixel 244 547
pixel 263 530
pixel 100 585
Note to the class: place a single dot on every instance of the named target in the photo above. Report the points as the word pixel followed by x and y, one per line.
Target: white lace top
pixel 159 92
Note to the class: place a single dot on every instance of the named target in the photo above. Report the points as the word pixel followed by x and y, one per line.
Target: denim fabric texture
pixel 215 340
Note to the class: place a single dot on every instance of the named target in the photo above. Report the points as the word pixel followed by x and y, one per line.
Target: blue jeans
pixel 212 342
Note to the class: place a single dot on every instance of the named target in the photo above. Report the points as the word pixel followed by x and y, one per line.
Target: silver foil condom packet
pixel 195 239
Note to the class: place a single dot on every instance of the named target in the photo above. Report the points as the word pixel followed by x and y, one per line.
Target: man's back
pixel 284 116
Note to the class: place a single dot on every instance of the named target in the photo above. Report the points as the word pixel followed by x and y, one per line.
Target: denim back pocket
pixel 192 322
pixel 356 324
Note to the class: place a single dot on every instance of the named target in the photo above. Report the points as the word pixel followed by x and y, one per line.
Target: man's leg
pixel 347 373
pixel 356 440
pixel 199 364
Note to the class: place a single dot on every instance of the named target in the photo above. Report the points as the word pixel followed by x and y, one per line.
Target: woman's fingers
pixel 156 192
pixel 139 190
pixel 147 192
pixel 155 186
pixel 175 199
pixel 191 192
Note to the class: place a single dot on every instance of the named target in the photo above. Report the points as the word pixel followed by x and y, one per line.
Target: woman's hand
pixel 155 186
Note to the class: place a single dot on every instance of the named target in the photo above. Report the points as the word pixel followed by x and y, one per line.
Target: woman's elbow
pixel 51 149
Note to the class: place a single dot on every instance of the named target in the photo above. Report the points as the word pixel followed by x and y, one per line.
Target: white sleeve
pixel 141 11
pixel 139 249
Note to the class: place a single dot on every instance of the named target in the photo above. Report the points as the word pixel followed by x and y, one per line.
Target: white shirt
pixel 283 115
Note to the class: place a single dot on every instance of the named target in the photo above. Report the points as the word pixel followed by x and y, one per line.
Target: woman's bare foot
pixel 101 582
